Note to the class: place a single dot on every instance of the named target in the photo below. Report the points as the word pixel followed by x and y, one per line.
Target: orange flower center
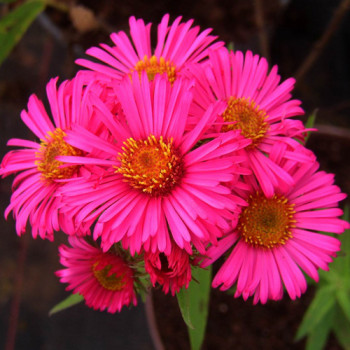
pixel 107 280
pixel 50 148
pixel 266 222
pixel 153 166
pixel 247 117
pixel 155 65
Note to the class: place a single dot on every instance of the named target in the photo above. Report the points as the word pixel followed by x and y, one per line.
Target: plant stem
pixel 14 312
pixel 152 323
pixel 331 130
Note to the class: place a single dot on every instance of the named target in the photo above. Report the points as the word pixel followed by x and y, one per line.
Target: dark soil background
pixel 49 49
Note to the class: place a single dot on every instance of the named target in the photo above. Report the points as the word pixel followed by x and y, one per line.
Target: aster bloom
pixel 34 195
pixel 172 271
pixel 156 181
pixel 105 280
pixel 257 104
pixel 277 238
pixel 177 44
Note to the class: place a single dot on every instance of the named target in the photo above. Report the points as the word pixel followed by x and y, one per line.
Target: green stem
pixel 57 5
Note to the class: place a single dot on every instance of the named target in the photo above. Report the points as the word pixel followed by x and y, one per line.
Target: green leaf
pixel 343 298
pixel 311 120
pixel 199 303
pixel 194 304
pixel 339 270
pixel 183 299
pixel 318 337
pixel 341 326
pixel 230 46
pixel 72 300
pixel 15 24
pixel 310 123
pixel 323 301
pixel 342 262
pixel 330 309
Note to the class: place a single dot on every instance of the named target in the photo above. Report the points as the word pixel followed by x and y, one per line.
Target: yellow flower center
pixel 155 65
pixel 50 148
pixel 153 166
pixel 266 222
pixel 247 117
pixel 107 280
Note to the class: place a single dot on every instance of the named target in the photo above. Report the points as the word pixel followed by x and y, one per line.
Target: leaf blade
pixel 70 301
pixel 193 303
pixel 323 301
pixel 15 24
pixel 310 123
pixel 341 326
pixel 318 337
pixel 183 301
pixel 199 299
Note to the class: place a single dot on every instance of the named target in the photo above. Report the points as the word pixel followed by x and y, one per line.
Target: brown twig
pixel 16 299
pixel 321 43
pixel 260 23
pixel 152 324
pixel 331 130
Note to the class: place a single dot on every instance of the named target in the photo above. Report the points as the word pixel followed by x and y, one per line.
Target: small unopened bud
pixel 83 18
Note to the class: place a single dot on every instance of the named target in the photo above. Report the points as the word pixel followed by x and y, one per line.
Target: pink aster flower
pixel 177 44
pixel 157 185
pixel 172 271
pixel 277 238
pixel 257 104
pixel 34 195
pixel 105 280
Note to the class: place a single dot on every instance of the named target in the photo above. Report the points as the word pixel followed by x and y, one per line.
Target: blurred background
pixel 307 39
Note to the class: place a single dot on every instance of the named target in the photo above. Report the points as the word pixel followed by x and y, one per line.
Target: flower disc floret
pixel 266 222
pixel 106 279
pixel 154 166
pixel 52 146
pixel 155 65
pixel 246 117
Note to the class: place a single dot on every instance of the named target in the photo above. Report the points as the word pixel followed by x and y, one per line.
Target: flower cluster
pixel 157 161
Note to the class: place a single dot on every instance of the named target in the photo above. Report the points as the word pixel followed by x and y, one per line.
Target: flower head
pixel 172 271
pixel 105 280
pixel 177 44
pixel 277 237
pixel 157 185
pixel 40 175
pixel 257 105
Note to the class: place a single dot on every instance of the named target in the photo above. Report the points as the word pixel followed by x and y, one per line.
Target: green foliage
pixel 318 337
pixel 310 123
pixel 330 309
pixel 72 300
pixel 230 46
pixel 321 305
pixel 15 24
pixel 341 327
pixel 194 304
